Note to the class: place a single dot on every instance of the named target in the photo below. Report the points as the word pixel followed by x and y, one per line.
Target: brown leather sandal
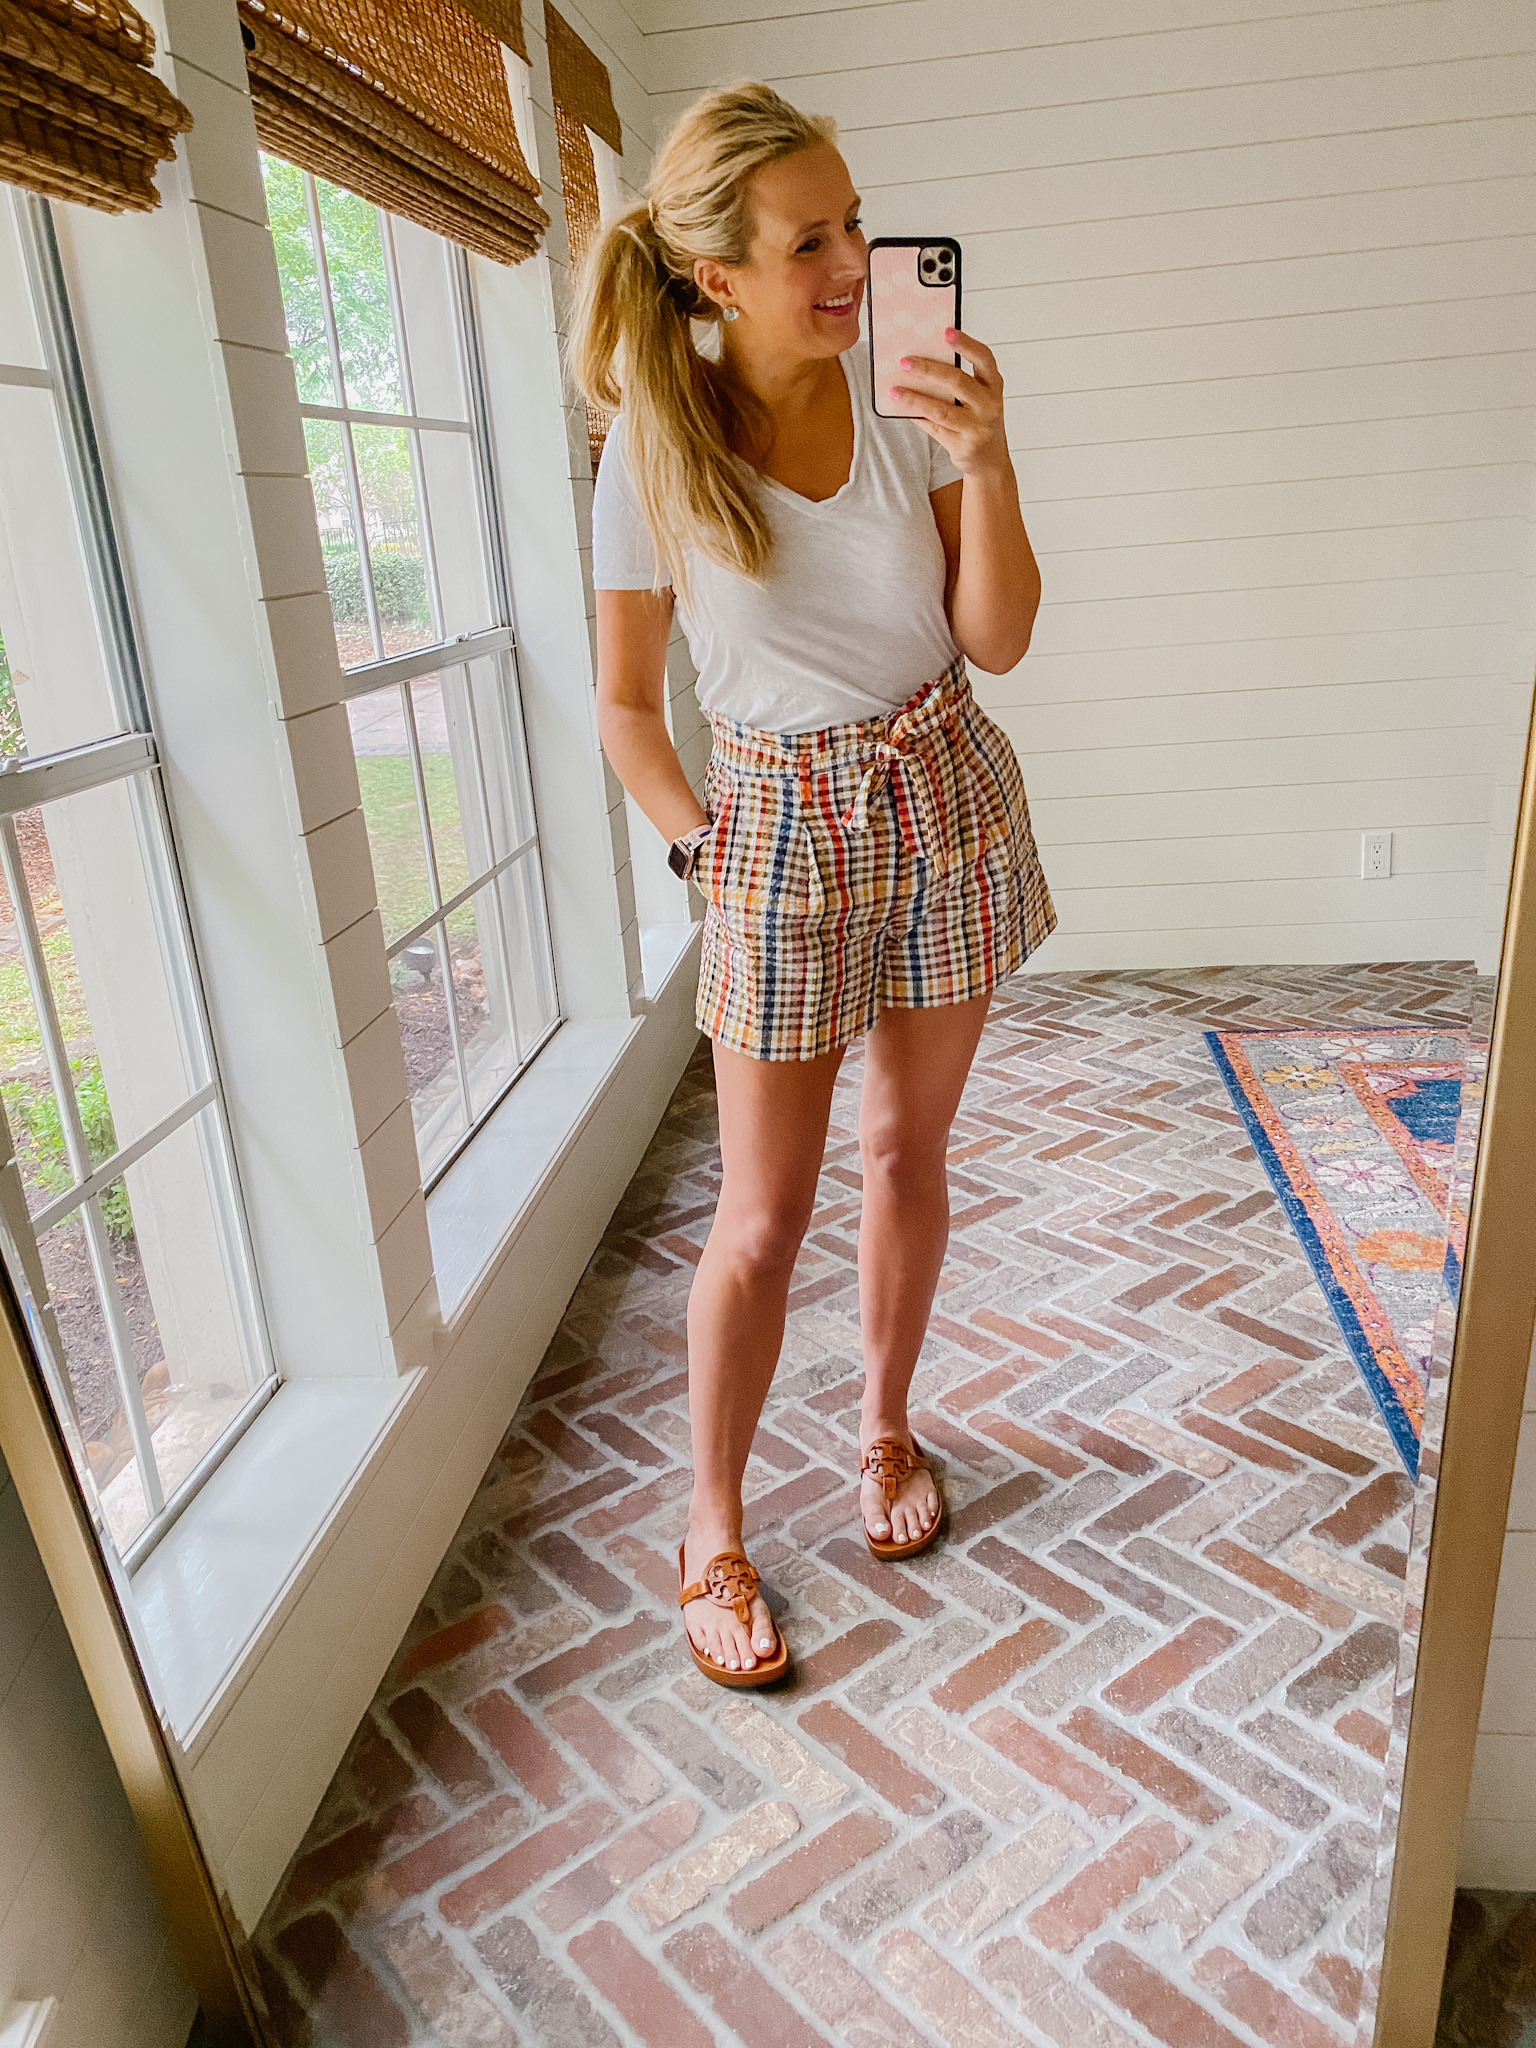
pixel 889 1461
pixel 730 1581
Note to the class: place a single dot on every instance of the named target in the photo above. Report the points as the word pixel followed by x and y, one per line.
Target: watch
pixel 683 854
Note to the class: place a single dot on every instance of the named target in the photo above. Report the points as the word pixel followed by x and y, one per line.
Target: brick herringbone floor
pixel 1103 1769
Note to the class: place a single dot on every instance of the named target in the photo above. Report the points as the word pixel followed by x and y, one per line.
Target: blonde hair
pixel 633 341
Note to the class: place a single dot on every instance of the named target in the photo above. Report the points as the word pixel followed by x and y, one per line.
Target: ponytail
pixel 634 343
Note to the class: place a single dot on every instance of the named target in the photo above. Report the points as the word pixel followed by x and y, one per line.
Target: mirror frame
pixel 1485 1401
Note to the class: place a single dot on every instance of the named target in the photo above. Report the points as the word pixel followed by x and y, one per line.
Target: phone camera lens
pixel 929 266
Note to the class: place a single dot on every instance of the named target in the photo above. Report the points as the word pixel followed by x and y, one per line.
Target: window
pixel 381 330
pixel 119 1214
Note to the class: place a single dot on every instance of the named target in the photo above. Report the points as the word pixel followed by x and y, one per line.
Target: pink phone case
pixel 906 316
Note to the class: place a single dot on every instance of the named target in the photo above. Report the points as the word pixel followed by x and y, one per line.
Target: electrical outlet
pixel 1375 856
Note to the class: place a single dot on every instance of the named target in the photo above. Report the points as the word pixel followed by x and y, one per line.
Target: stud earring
pixel 729 312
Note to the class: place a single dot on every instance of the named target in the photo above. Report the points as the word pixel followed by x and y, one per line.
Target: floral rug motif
pixel 1357 1132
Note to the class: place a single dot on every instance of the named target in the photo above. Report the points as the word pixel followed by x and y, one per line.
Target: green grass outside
pixel 394 834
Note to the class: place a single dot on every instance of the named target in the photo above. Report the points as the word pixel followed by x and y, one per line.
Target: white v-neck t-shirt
pixel 848 622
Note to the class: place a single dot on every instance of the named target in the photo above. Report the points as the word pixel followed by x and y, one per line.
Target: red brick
pixel 1038 1449
pixel 524 1864
pixel 1097 1341
pixel 1338 1982
pixel 1365 1732
pixel 536 1764
pixel 1253 1448
pixel 627 1772
pixel 656 1573
pixel 995 1506
pixel 1109 1450
pixel 445 1644
pixel 769 1509
pixel 1170 1664
pixel 652 2011
pixel 417 1871
pixel 618 1863
pixel 353 2008
pixel 1307 1441
pixel 634 1507
pixel 881 1768
pixel 1215 1286
pixel 1186 1211
pixel 745 2000
pixel 559 1437
pixel 1049 1764
pixel 1249 1386
pixel 773 1450
pixel 1087 1900
pixel 559 1505
pixel 1001 1379
pixel 1344 1670
pixel 887 1581
pixel 845 1653
pixel 1034 1579
pixel 446 1751
pixel 1146 1292
pixel 1266 1333
pixel 624 1442
pixel 1269 1578
pixel 359 1848
pixel 564 1556
pixel 999 1662
pixel 1365 1510
pixel 1259 2005
pixel 1148 1504
pixel 1156 1773
pixel 839 1993
pixel 935 1432
pixel 658 1391
pixel 1118 1579
pixel 606 1647
pixel 796 1876
pixel 1145 1993
pixel 1022 1334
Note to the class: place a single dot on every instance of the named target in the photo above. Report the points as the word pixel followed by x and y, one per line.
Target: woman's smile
pixel 844 307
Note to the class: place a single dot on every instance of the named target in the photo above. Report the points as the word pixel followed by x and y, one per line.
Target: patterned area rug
pixel 1357 1132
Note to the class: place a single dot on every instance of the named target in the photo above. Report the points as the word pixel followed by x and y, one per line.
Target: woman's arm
pixel 992 589
pixel 632 631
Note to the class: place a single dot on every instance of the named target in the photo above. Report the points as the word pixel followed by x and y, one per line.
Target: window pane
pixel 303 304
pixel 529 967
pixel 508 794
pixel 365 323
pixel 447 769
pixel 324 440
pixel 131 1061
pixel 393 523
pixel 448 472
pixel 426 1039
pixel 482 991
pixel 168 1224
pixel 391 811
pixel 428 301
pixel 56 689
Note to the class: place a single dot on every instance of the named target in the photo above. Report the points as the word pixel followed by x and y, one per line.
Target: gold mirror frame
pixel 1485 1400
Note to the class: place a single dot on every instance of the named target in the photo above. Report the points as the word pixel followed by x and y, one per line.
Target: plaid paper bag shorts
pixel 884 864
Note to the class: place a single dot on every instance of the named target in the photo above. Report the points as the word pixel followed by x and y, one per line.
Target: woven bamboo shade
pixel 504 19
pixel 403 102
pixel 578 189
pixel 580 82
pixel 82 116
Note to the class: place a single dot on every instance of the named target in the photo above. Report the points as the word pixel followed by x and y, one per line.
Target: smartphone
pixel 914 294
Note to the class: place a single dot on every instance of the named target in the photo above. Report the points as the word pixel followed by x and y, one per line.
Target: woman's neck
pixel 783 387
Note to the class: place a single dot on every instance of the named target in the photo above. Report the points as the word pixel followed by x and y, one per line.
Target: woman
pixel 864 841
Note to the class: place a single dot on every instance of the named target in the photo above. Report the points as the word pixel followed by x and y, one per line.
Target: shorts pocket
pixel 761 866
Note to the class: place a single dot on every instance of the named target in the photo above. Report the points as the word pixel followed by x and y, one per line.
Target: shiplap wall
pixel 78 1919
pixel 1261 288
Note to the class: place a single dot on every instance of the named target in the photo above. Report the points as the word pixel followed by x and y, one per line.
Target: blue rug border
pixel 1377 1385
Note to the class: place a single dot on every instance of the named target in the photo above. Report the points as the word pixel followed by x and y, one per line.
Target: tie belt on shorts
pixel 889 747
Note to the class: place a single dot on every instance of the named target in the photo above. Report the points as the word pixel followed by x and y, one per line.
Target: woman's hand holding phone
pixel 964 414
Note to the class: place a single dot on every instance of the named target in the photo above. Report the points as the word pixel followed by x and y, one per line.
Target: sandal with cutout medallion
pixel 731 1581
pixel 890 1463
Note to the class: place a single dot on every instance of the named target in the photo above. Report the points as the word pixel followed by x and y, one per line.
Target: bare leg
pixel 773 1131
pixel 916 1063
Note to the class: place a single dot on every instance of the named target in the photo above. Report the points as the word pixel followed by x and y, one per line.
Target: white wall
pixel 78 1919
pixel 1261 291
pixel 1498 1843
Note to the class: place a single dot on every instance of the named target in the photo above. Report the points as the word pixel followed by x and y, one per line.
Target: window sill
pixel 210 1592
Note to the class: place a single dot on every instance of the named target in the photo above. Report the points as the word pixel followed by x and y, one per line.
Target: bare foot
pixel 712 1628
pixel 916 1506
